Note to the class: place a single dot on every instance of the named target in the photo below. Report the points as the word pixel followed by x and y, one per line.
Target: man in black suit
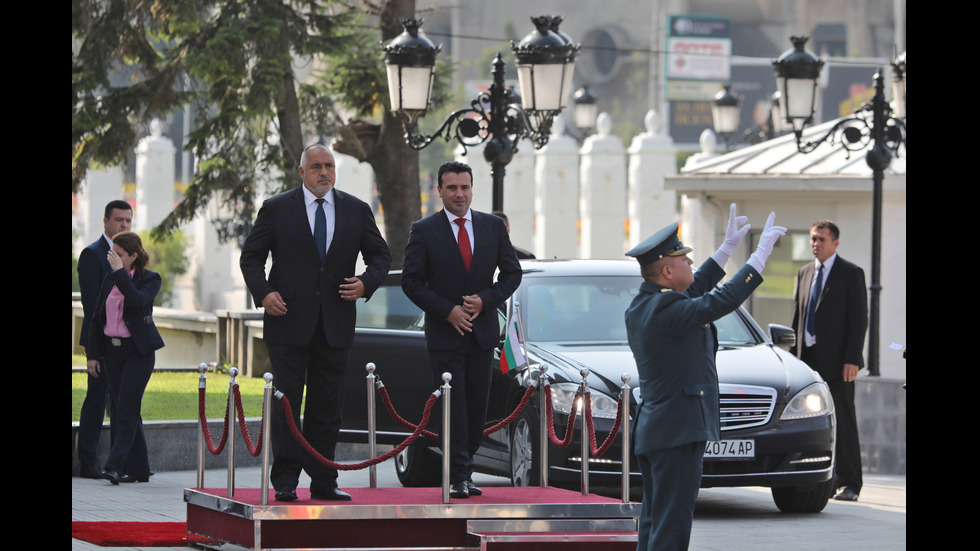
pixel 522 254
pixel 830 316
pixel 92 269
pixel 450 262
pixel 314 233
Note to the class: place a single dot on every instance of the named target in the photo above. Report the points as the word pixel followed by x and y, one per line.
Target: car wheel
pixel 803 499
pixel 418 466
pixel 523 440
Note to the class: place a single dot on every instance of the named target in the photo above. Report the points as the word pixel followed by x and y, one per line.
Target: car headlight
pixel 603 406
pixel 812 401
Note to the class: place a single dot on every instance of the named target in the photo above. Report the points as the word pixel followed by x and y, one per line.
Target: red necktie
pixel 464 243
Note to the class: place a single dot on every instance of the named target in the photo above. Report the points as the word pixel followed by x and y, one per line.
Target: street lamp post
pixel 545 62
pixel 796 74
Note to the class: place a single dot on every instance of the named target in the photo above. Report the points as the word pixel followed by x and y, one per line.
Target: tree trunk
pixel 291 131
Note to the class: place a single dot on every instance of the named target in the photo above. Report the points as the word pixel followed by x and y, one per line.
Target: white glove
pixel 767 240
pixel 733 236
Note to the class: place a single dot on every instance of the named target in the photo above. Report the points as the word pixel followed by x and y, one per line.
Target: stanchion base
pixel 406 518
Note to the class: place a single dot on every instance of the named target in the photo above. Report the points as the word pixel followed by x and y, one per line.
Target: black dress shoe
pixel 331 494
pixel 111 476
pixel 473 489
pixel 285 495
pixel 91 471
pixel 129 479
pixel 846 494
pixel 458 490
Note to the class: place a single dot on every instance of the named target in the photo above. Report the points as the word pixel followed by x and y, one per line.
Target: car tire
pixel 523 455
pixel 418 466
pixel 803 499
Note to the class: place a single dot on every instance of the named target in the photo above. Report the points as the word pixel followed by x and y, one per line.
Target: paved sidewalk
pixel 725 519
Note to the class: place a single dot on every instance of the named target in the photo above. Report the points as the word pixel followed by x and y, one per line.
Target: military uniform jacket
pixel 674 342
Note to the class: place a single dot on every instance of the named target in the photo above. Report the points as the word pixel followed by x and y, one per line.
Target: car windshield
pixel 591 309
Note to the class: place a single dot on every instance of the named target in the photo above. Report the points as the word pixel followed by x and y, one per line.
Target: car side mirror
pixel 782 336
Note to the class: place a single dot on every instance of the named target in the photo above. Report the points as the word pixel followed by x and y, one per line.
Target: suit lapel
pixel 829 280
pixel 445 232
pixel 805 283
pixel 479 231
pixel 300 221
pixel 339 221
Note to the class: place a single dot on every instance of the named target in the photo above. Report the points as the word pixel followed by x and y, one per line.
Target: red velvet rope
pixel 433 436
pixel 597 452
pixel 510 418
pixel 201 400
pixel 569 430
pixel 364 464
pixel 254 451
pixel 398 418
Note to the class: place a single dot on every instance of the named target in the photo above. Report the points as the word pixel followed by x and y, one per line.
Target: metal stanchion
pixel 446 377
pixel 266 436
pixel 202 382
pixel 372 427
pixel 543 425
pixel 585 432
pixel 624 427
pixel 232 417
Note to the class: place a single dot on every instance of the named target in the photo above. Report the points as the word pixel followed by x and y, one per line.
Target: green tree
pixel 232 60
pixel 167 258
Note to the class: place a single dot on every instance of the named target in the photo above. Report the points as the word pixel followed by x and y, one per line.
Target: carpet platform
pixel 413 518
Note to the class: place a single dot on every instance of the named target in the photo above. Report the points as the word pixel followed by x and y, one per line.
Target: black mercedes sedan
pixel 777 416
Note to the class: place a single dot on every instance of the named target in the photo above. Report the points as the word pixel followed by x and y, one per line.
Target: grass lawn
pixel 173 395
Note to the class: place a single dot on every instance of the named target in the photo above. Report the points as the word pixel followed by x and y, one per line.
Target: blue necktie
pixel 811 306
pixel 320 230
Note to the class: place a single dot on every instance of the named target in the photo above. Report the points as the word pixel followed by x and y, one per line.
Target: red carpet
pixel 136 534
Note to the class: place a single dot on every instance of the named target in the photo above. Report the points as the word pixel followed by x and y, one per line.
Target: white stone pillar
pixel 99 188
pixel 519 195
pixel 154 178
pixel 651 157
pixel 602 201
pixel 355 178
pixel 556 197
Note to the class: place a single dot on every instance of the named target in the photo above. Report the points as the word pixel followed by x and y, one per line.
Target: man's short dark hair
pixel 500 214
pixel 455 167
pixel 829 226
pixel 117 204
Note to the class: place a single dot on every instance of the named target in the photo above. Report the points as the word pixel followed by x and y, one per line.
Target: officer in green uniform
pixel 673 340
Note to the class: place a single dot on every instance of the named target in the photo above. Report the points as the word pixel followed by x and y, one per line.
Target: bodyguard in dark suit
pixel 92 269
pixel 830 316
pixel 671 332
pixel 449 268
pixel 314 233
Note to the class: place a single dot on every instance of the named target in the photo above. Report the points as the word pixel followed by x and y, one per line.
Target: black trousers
pixel 847 467
pixel 91 418
pixel 320 368
pixel 470 369
pixel 128 371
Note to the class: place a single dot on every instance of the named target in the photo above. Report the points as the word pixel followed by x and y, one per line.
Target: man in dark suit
pixel 314 233
pixel 670 328
pixel 830 316
pixel 450 262
pixel 522 254
pixel 92 269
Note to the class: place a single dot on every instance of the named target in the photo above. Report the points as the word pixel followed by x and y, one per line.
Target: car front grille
pixel 744 406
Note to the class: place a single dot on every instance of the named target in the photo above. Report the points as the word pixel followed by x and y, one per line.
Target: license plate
pixel 730 449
